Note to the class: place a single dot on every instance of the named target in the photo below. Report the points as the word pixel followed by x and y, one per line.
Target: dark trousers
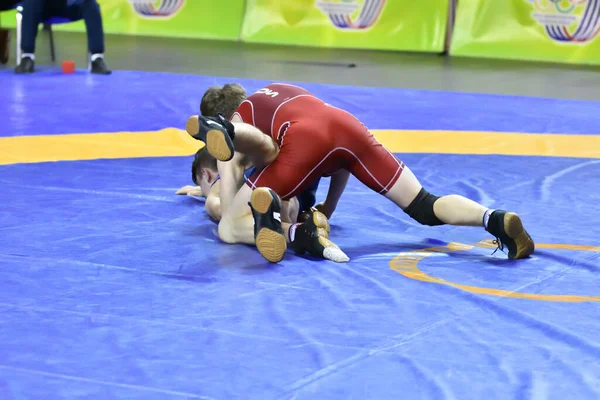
pixel 34 11
pixel 8 4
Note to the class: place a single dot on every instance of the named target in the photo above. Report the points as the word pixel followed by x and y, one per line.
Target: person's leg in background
pixel 32 14
pixel 89 10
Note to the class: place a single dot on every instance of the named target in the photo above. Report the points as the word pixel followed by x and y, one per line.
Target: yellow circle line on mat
pixel 407 264
pixel 32 149
pixel 175 142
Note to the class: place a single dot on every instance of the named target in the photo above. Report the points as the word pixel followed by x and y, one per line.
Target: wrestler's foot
pixel 268 233
pixel 217 133
pixel 312 236
pixel 508 230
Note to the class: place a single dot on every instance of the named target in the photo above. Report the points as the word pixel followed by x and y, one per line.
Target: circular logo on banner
pixel 156 8
pixel 352 14
pixel 571 21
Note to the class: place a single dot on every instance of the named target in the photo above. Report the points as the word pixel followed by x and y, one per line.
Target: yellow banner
pixel 545 30
pixel 365 24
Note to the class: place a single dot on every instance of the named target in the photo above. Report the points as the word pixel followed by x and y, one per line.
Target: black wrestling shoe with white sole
pixel 508 229
pixel 217 133
pixel 312 237
pixel 268 233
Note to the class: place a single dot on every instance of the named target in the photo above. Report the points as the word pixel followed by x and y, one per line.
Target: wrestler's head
pixel 222 100
pixel 204 170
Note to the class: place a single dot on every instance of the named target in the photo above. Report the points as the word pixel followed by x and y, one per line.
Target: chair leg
pixel 4 46
pixel 48 28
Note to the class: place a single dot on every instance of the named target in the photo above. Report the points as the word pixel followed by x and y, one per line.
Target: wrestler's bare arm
pixel 260 148
pixel 189 190
pixel 336 188
pixel 231 175
pixel 212 205
pixel 289 209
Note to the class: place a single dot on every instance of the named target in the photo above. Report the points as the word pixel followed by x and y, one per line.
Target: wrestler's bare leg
pixel 238 227
pixel 507 227
pixel 237 223
pixel 289 209
pixel 452 209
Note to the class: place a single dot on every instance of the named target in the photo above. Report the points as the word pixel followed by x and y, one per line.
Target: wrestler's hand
pixel 188 190
pixel 325 209
pixel 312 237
pixel 306 215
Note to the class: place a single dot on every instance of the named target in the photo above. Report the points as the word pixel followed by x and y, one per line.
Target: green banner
pixel 208 19
pixel 364 24
pixel 545 30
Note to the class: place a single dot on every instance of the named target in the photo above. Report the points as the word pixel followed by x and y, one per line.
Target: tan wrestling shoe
pixel 508 229
pixel 268 233
pixel 217 133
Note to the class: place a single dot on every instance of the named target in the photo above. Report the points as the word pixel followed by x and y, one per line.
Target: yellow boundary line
pixel 175 142
pixel 407 264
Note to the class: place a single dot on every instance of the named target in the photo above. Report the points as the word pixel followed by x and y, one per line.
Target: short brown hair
pixel 203 159
pixel 222 100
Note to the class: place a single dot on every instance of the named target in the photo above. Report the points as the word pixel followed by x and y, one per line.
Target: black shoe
pixel 26 66
pixel 312 237
pixel 217 133
pixel 508 230
pixel 268 233
pixel 99 67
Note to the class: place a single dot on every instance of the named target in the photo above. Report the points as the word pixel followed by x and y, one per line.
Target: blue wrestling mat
pixel 115 288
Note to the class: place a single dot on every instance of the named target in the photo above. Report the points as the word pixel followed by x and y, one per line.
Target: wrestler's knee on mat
pixel 421 209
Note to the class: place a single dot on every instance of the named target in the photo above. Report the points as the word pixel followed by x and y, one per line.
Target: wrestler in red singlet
pixel 315 139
